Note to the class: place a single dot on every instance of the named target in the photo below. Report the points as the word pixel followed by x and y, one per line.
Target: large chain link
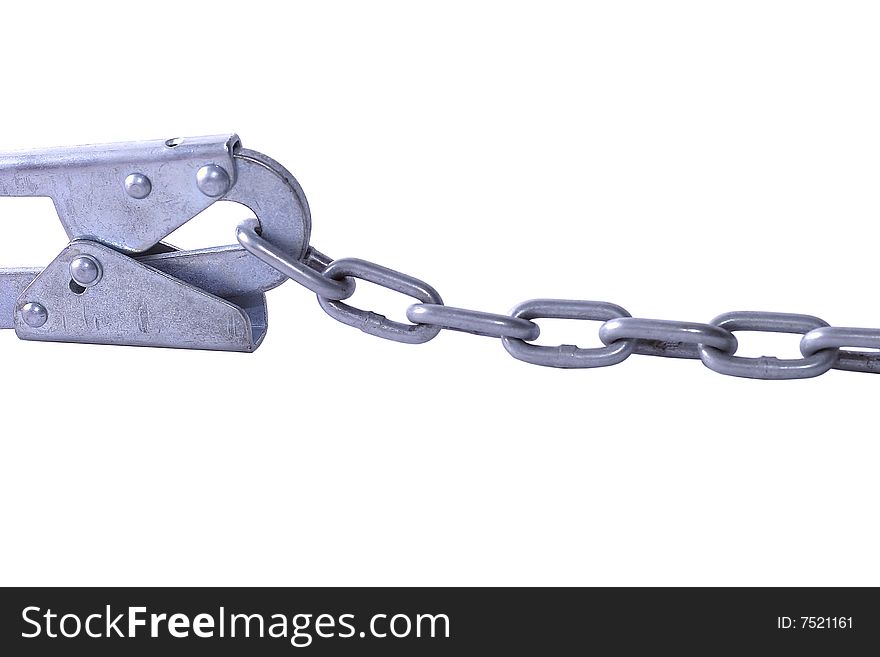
pixel 821 345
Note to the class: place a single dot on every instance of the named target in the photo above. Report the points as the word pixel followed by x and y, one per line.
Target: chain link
pixel 568 355
pixel 829 337
pixel 767 367
pixel 822 346
pixel 309 274
pixel 373 323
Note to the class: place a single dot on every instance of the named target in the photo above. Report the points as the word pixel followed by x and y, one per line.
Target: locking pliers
pixel 117 282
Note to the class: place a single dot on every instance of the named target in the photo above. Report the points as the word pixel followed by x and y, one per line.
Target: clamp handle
pixel 128 195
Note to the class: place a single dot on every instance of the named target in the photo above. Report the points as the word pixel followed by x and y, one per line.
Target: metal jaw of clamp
pixel 117 282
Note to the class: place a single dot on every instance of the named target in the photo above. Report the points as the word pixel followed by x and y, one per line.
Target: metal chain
pixel 821 345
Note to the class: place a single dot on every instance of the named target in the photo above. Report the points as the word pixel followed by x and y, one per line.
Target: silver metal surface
pixel 473 321
pixel 767 367
pixel 134 305
pixel 275 197
pixel 87 185
pixel 373 323
pixel 568 356
pixel 667 338
pixel 833 337
pixel 272 193
pixel 85 271
pixel 213 180
pixel 225 271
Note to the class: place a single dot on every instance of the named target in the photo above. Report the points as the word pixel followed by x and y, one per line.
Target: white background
pixel 681 159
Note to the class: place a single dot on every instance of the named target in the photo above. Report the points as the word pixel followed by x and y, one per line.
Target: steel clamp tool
pixel 118 283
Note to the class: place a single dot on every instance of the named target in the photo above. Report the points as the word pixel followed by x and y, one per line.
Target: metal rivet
pixel 213 180
pixel 85 270
pixel 137 185
pixel 34 314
